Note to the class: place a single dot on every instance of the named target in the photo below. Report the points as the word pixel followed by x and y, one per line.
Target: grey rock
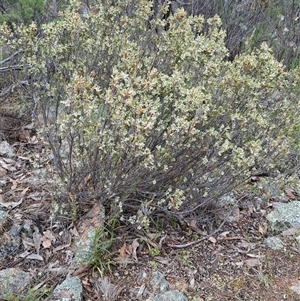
pixel 172 295
pixel 158 282
pixel 275 243
pixel 284 216
pixel 68 290
pixel 142 276
pixel 227 208
pixel 13 281
pixel 270 189
pixel 227 201
pixel 296 287
pixel 83 246
pixel 6 149
pixel 9 236
pixel 3 216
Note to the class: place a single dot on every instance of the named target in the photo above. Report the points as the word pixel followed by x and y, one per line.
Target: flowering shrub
pixel 151 119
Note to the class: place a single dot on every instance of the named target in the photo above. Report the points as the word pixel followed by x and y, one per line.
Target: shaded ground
pixel 232 264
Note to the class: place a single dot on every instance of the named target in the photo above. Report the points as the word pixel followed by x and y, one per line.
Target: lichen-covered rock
pixel 13 281
pixel 83 245
pixel 284 216
pixel 172 295
pixel 274 243
pixel 158 282
pixel 68 290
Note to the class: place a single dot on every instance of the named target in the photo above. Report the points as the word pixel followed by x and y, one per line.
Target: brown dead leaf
pixel 84 182
pixel 255 255
pixel 27 243
pixel 149 242
pixel 11 205
pixel 289 193
pixel 162 260
pixel 3 172
pixel 49 234
pixel 212 239
pixel 86 284
pixel 290 231
pixel 193 224
pixel 123 252
pixel 135 244
pixel 37 239
pixel 25 190
pixel 46 242
pixel 123 257
pixel 223 235
pixel 35 257
pixel 252 262
pixel 296 287
pixel 75 232
pixel 7 166
pixel 246 245
pixel 81 269
pixel 14 183
pixel 263 228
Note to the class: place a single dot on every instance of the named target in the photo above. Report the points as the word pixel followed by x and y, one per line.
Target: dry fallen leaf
pixel 212 239
pixel 255 256
pixel 123 257
pixel 37 239
pixel 84 182
pixel 10 205
pixel 27 243
pixel 289 193
pixel 135 244
pixel 123 254
pixel 296 287
pixel 86 284
pixel 162 260
pixel 193 225
pixel 7 166
pixel 46 242
pixel 222 235
pixel 14 183
pixel 246 245
pixel 290 231
pixel 263 228
pixel 25 190
pixel 252 262
pixel 3 172
pixel 35 257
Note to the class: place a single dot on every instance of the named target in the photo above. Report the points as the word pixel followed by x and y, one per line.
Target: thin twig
pixel 198 240
pixel 11 57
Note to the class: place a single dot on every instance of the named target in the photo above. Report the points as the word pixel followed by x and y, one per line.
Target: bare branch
pixel 11 57
pixel 11 68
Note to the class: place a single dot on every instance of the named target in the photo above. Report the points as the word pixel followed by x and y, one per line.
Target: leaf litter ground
pixel 232 264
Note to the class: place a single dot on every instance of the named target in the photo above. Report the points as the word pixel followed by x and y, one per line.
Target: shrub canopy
pixel 154 117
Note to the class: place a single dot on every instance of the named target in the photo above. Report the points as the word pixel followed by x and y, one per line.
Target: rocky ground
pixel 45 254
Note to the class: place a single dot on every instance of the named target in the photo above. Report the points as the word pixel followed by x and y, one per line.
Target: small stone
pixel 172 295
pixel 13 281
pixel 6 149
pixel 68 290
pixel 159 282
pixel 284 216
pixel 274 243
pixel 83 245
pixel 296 287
